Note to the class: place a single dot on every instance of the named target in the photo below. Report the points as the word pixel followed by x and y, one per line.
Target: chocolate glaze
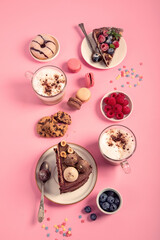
pixel 43 45
pixel 34 49
pixel 45 41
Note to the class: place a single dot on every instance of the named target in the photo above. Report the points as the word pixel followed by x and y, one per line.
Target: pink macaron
pixel 89 80
pixel 74 65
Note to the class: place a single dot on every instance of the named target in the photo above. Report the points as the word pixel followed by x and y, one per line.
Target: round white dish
pixel 118 57
pixel 114 119
pixel 51 190
pixel 49 59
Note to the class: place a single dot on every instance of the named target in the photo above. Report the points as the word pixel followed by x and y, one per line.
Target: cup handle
pixel 126 167
pixel 29 75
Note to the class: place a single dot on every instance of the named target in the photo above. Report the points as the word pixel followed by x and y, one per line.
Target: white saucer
pixel 48 59
pixel 118 57
pixel 51 190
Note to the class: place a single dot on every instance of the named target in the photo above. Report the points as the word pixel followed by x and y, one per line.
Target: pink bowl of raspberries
pixel 116 106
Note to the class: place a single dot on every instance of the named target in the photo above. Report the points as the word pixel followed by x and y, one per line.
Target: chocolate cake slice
pixel 107 40
pixel 73 171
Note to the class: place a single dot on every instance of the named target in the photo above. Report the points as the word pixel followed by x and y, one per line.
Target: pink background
pixel 21 109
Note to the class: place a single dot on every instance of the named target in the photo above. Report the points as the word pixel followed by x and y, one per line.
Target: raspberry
pixel 126 110
pixel 125 102
pixel 111 101
pixel 101 38
pixel 119 115
pixel 113 95
pixel 120 100
pixel 106 100
pixel 117 108
pixel 104 47
pixel 107 108
pixel 105 33
pixel 110 114
pixel 116 44
pixel 121 95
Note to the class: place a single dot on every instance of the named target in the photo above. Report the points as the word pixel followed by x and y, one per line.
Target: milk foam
pixel 114 149
pixel 48 82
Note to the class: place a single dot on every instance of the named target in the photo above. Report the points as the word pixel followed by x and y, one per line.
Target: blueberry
pixel 110 193
pixel 105 206
pixel 110 37
pixel 116 201
pixel 109 41
pixel 87 209
pixel 110 51
pixel 103 197
pixel 113 207
pixel 110 199
pixel 93 216
pixel 96 57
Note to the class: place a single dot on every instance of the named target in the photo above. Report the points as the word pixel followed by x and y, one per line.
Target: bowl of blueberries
pixel 109 201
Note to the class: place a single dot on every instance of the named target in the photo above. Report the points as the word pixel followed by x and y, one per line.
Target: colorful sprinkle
pixel 64 223
pixel 119 69
pixel 60 232
pixel 57 230
pixel 135 85
pixel 111 81
pixel 62 226
pixel 122 73
pixel 137 75
pixel 66 219
pixel 132 73
pixel 43 226
pixel 48 219
pixel 140 76
pixel 115 88
pixel 128 82
pixel 127 75
pixel 48 234
pixel 126 70
pixel 130 86
pixel 118 77
pixel 138 83
pixel 124 66
pixel 140 79
pixel 132 76
pixel 46 228
pixel 122 85
pixel 59 226
pixel 69 232
pixel 64 229
pixel 82 221
pixel 64 234
pixel 45 210
pixel 132 69
pixel 69 229
pixel 80 216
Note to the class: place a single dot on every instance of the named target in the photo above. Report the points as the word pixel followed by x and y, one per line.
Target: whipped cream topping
pixel 48 82
pixel 117 144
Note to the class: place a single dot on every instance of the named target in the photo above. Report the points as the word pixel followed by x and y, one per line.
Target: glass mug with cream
pixel 117 144
pixel 49 83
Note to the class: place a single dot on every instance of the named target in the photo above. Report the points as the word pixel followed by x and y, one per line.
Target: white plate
pixel 118 57
pixel 49 59
pixel 51 190
pixel 130 104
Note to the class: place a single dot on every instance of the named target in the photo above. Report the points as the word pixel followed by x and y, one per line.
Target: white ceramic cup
pixel 52 99
pixel 123 162
pixel 103 191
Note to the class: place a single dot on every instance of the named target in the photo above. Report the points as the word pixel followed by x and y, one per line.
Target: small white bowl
pixel 49 59
pixel 105 190
pixel 125 115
